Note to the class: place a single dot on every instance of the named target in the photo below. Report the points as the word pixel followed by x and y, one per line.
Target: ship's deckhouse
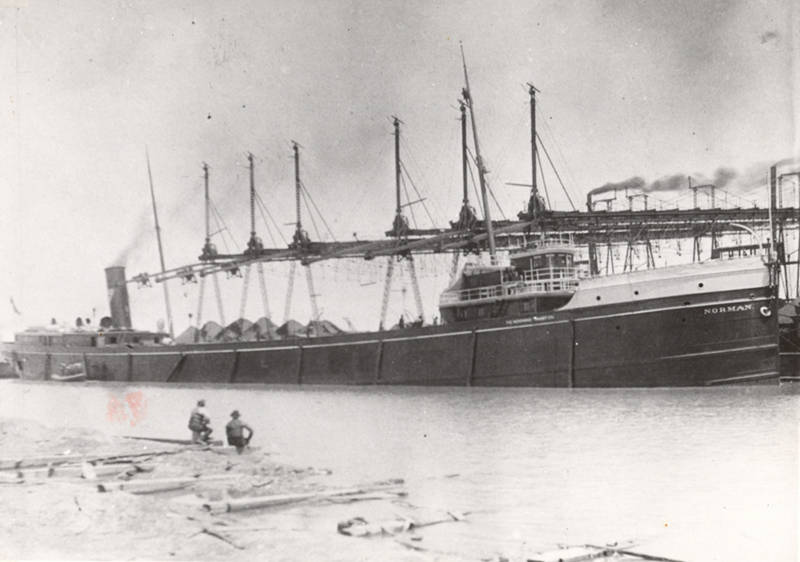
pixel 538 279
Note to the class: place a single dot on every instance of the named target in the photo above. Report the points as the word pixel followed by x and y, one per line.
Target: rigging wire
pixel 408 198
pixel 264 212
pixel 553 166
pixel 419 195
pixel 478 197
pixel 488 188
pixel 544 181
pixel 310 215
pixel 222 228
pixel 558 146
pixel 415 162
pixel 314 204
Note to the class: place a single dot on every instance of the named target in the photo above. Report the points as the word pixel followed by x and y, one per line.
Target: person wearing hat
pixel 235 431
pixel 199 423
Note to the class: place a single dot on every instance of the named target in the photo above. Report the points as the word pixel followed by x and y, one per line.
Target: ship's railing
pixel 555 239
pixel 542 281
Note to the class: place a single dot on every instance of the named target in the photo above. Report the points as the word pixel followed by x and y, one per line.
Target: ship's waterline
pixel 693 325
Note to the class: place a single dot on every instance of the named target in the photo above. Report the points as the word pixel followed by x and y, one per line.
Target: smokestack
pixel 118 297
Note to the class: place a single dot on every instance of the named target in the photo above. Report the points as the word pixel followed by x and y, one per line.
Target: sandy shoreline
pixel 64 516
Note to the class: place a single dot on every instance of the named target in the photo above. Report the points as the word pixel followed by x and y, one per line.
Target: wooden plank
pixel 80 471
pixel 142 486
pixel 32 462
pixel 216 443
pixel 242 504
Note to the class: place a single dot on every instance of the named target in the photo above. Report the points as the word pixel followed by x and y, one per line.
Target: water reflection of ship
pixel 541 317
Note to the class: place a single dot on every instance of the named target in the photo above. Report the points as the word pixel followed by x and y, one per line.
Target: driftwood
pixel 215 443
pixel 160 484
pixel 221 537
pixel 615 551
pixel 360 527
pixel 242 504
pixel 594 552
pixel 85 470
pixel 228 450
pixel 35 462
pixel 369 496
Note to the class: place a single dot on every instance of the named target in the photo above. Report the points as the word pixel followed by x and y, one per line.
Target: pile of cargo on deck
pixel 262 329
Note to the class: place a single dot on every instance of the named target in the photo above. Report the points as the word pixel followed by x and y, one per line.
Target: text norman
pixel 728 308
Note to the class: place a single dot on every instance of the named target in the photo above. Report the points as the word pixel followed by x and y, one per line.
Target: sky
pixel 627 89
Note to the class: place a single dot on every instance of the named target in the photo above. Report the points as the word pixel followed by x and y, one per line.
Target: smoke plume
pixel 631 183
pixel 667 183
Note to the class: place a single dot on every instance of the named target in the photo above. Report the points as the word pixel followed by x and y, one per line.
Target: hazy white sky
pixel 628 88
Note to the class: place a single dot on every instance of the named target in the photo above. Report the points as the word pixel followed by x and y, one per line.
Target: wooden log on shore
pixel 147 488
pixel 54 460
pixel 229 450
pixel 242 504
pixel 594 552
pixel 80 471
pixel 216 443
pixel 143 486
pixel 360 527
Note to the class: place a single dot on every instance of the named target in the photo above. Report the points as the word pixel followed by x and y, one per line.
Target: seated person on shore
pixel 199 423
pixel 235 431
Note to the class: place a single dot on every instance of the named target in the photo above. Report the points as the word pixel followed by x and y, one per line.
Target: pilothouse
pixel 540 277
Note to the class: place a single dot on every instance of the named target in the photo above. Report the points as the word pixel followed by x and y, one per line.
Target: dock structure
pixel 596 227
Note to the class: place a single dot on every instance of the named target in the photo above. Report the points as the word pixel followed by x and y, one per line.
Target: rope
pixel 222 228
pixel 321 216
pixel 478 197
pixel 311 215
pixel 564 187
pixel 558 146
pixel 419 168
pixel 419 195
pixel 408 198
pixel 544 182
pixel 263 209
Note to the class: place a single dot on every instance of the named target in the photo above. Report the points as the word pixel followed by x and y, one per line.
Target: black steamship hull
pixel 702 325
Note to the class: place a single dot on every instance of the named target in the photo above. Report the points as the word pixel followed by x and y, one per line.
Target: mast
pixel 160 247
pixel 208 205
pixel 466 217
pixel 300 238
pixel 397 163
pixel 252 198
pixel 296 150
pixel 254 245
pixel 400 224
pixel 464 162
pixel 534 191
pixel 479 162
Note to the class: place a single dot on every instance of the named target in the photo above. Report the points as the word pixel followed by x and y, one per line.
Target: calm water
pixel 699 474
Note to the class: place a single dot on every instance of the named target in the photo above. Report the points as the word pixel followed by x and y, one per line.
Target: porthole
pixel 700 285
pixel 636 292
pixel 686 303
pixel 598 297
